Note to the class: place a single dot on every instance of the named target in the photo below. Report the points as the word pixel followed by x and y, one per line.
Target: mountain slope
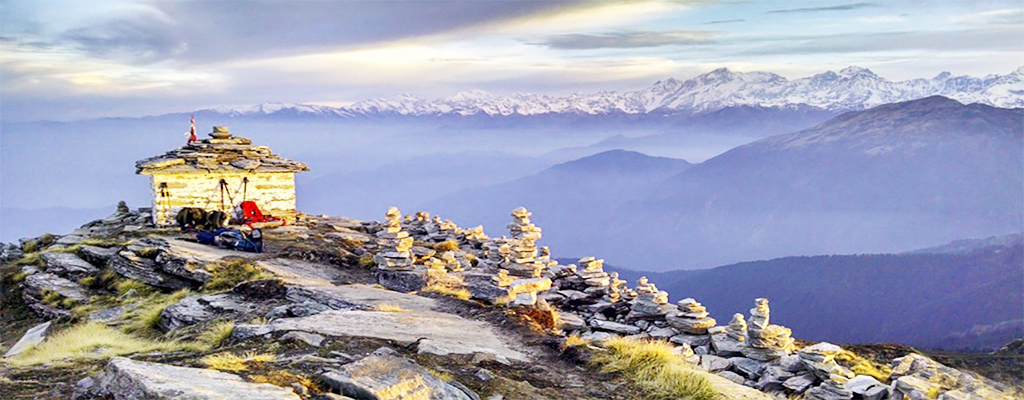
pixel 896 177
pixel 971 300
pixel 573 196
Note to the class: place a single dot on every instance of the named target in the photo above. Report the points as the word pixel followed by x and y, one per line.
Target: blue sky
pixel 79 59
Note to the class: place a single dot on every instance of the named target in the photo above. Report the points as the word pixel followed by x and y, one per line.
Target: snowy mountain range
pixel 852 88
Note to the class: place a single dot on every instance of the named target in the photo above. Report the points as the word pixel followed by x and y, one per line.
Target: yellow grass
pixel 447 245
pixel 574 341
pixel 235 363
pixel 90 341
pixel 862 366
pixel 448 285
pixel 227 275
pixel 284 378
pixel 654 367
pixel 388 307
pixel 146 317
pixel 216 333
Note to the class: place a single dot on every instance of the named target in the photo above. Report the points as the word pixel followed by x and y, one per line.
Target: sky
pixel 69 60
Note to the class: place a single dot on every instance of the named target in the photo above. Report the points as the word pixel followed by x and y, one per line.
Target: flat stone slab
pixel 202 252
pixel 128 379
pixel 364 295
pixel 301 273
pixel 38 283
pixel 437 333
pixel 66 264
pixel 29 340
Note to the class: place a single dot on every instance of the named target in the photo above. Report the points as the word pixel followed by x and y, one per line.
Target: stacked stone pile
pixel 523 248
pixel 820 360
pixel 766 341
pixel 396 244
pixel 692 318
pixel 591 270
pixel 649 300
pixel 833 388
pixel 451 262
pixel 615 288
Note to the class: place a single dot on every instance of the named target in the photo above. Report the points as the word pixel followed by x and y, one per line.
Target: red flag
pixel 192 133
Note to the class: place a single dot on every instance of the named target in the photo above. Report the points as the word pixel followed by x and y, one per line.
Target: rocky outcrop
pixel 385 375
pixel 127 379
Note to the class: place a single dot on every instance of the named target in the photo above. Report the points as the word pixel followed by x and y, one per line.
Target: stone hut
pixel 218 174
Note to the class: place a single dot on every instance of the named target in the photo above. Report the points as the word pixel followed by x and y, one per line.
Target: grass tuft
pixel 387 307
pixel 30 259
pixel 448 285
pixel 862 366
pixel 447 245
pixel 285 378
pixel 90 341
pixel 69 249
pixel 654 367
pixel 123 286
pixel 366 261
pixel 104 242
pixel 216 333
pixel 146 317
pixel 235 363
pixel 226 275
pixel 574 341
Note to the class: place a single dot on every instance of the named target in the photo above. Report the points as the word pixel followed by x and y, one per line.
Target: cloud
pixel 724 21
pixel 844 7
pixel 882 19
pixel 626 39
pixel 138 39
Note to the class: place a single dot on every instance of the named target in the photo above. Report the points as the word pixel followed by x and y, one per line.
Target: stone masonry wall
pixel 274 193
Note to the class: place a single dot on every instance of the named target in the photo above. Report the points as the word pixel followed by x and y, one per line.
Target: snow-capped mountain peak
pixel 852 88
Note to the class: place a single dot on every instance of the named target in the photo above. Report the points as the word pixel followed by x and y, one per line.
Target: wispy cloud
pixel 882 19
pixel 624 40
pixel 844 7
pixel 724 21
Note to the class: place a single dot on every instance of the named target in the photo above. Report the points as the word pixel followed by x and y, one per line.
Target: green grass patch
pixel 38 243
pixel 123 286
pixel 30 259
pixel 90 341
pixel 69 249
pixel 226 275
pixel 862 366
pixel 654 367
pixel 104 242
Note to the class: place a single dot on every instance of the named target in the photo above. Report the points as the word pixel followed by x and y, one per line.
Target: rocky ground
pixel 407 308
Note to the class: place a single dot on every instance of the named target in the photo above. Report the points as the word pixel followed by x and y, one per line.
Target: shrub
pixel 655 367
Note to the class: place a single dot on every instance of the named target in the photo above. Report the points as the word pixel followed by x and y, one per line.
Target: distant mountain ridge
pixel 852 88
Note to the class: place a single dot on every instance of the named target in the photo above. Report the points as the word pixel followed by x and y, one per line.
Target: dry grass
pixel 862 366
pixel 30 259
pixel 215 333
pixel 104 242
pixel 91 341
pixel 388 307
pixel 574 341
pixel 235 363
pixel 145 318
pixel 69 249
pixel 448 285
pixel 366 261
pixel 227 275
pixel 656 368
pixel 123 286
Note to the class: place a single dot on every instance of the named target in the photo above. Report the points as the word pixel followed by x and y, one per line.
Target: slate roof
pixel 233 154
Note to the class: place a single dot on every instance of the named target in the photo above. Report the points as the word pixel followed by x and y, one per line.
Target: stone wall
pixel 274 193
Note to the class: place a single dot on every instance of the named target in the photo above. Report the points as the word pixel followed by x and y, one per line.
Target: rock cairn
pixel 615 288
pixel 820 359
pixel 648 298
pixel 692 318
pixel 766 341
pixel 737 328
pixel 395 254
pixel 523 248
pixel 451 262
pixel 591 270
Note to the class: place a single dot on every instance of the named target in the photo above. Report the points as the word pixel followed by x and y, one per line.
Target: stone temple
pixel 219 173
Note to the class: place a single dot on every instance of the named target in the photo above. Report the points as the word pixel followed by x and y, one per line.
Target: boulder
pixel 202 308
pixel 384 375
pixel 616 327
pixel 245 331
pixel 800 383
pixel 30 339
pixel 130 265
pixel 712 363
pixel 127 379
pixel 67 264
pixel 311 339
pixel 97 255
pixel 38 284
pixel 401 281
pixel 747 367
